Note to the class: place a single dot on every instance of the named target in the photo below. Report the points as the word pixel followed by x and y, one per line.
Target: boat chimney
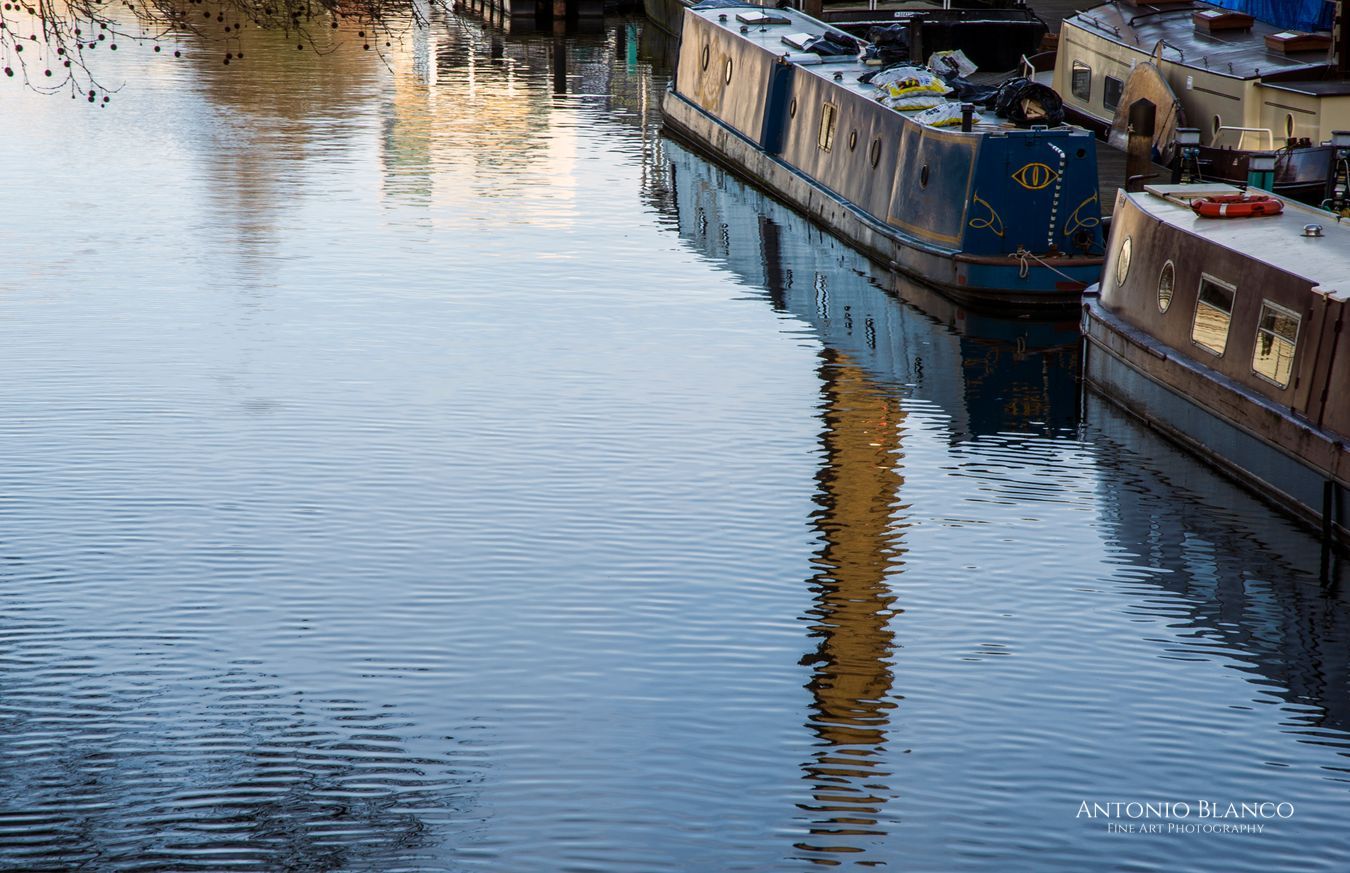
pixel 967 116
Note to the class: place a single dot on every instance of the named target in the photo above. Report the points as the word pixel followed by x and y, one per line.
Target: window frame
pixel 1074 69
pixel 1107 80
pixel 1199 301
pixel 1168 267
pixel 1276 338
pixel 829 122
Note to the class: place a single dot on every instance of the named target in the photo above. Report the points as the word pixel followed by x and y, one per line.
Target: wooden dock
pixel 528 15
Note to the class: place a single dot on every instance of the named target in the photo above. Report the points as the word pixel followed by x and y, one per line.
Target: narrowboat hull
pixel 1001 217
pixel 1260 445
pixel 1303 173
pixel 970 279
pixel 666 14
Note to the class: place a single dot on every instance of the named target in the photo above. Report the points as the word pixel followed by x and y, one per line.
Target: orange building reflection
pixel 859 486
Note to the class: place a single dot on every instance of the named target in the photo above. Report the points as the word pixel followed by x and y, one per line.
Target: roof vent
pixel 1312 230
pixel 1217 20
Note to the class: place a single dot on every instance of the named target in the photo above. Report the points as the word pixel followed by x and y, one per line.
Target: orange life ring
pixel 1236 205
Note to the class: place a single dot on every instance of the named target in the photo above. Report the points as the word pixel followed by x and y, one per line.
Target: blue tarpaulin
pixel 1293 14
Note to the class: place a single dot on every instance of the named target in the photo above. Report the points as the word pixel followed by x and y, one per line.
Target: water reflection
pixel 862 543
pixel 1241 579
pixel 989 374
pixel 493 549
pixel 881 353
pixel 145 765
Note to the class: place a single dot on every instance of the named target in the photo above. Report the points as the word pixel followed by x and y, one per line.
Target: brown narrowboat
pixel 1225 333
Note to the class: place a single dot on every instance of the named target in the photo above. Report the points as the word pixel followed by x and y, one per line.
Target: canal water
pixel 420 463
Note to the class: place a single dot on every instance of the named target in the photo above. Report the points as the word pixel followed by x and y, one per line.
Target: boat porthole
pixel 923 177
pixel 1289 126
pixel 792 108
pixel 876 153
pixel 728 72
pixel 1123 261
pixel 852 140
pixel 707 55
pixel 1081 153
pixel 1218 123
pixel 1166 282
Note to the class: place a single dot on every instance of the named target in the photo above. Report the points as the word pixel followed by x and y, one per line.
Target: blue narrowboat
pixel 986 211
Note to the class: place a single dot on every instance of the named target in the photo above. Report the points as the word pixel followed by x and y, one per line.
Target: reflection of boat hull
pixel 994 221
pixel 989 374
pixel 1242 387
pixel 1233 571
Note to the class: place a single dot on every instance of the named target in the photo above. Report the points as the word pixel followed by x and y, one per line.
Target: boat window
pixel 1112 88
pixel 852 140
pixel 1213 313
pixel 1080 82
pixel 728 73
pixel 1166 281
pixel 1123 260
pixel 792 108
pixel 876 153
pixel 1289 125
pixel 828 115
pixel 707 53
pixel 1276 336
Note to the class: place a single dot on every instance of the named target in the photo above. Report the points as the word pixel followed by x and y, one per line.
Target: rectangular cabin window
pixel 1276 336
pixel 1080 81
pixel 1213 314
pixel 828 114
pixel 1112 88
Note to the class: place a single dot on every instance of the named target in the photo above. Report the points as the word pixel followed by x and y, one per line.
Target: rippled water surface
pixel 430 467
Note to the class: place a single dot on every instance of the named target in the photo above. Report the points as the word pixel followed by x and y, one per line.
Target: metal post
pixel 559 65
pixel 1328 525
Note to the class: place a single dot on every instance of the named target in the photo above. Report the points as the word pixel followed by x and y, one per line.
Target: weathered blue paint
pixel 776 103
pixel 997 212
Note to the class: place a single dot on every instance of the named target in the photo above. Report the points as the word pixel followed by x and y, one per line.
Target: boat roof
pixel 844 70
pixel 1277 240
pixel 1239 53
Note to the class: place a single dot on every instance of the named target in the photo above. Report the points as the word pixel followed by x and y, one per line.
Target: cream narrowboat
pixel 1248 87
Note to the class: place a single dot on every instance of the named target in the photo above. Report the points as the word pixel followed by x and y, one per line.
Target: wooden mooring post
pixel 1139 150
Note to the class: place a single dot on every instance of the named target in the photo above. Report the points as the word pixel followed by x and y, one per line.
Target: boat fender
pixel 1236 205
